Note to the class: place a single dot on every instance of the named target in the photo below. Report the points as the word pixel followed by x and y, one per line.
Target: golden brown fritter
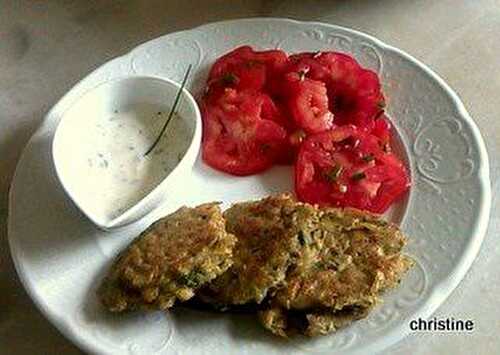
pixel 347 259
pixel 322 323
pixel 311 269
pixel 305 269
pixel 169 260
pixel 312 323
pixel 266 247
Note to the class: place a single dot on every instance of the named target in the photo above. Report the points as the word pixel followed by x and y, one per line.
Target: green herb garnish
pixel 368 158
pixel 302 238
pixel 191 280
pixel 229 79
pixel 335 173
pixel 358 176
pixel 302 74
pixel 172 110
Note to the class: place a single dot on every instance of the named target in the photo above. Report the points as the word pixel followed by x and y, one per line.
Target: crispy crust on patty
pixel 312 323
pixel 265 249
pixel 169 260
pixel 304 269
pixel 325 266
pixel 348 258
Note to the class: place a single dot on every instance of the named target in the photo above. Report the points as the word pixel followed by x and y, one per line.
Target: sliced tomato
pixel 306 64
pixel 274 112
pixel 382 128
pixel 271 111
pixel 241 132
pixel 347 166
pixel 307 102
pixel 321 110
pixel 246 69
pixel 354 93
pixel 274 59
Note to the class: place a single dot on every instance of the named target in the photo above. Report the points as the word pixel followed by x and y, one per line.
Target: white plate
pixel 60 256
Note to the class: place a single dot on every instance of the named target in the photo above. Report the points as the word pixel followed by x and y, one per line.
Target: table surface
pixel 47 46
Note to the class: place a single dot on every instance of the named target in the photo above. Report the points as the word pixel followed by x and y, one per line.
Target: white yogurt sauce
pixel 113 172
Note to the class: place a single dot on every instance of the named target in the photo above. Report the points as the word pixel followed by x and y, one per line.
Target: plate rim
pixel 439 293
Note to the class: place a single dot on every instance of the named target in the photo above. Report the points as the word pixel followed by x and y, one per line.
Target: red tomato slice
pixel 382 128
pixel 307 64
pixel 348 167
pixel 241 132
pixel 321 110
pixel 243 68
pixel 354 93
pixel 307 102
pixel 272 111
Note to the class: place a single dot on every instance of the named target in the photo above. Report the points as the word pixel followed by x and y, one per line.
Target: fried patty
pixel 304 269
pixel 348 257
pixel 266 247
pixel 170 260
pixel 309 269
pixel 312 323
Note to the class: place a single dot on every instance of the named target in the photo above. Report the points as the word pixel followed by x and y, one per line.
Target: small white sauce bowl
pixel 120 94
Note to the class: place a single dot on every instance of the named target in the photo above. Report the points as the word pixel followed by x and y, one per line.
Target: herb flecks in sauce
pixel 116 174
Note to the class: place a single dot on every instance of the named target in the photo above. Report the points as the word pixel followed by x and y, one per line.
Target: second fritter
pixel 267 244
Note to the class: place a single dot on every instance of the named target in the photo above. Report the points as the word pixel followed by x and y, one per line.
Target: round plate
pixel 61 257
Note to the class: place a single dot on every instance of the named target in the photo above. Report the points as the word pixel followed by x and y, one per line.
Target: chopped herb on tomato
pixel 334 174
pixel 358 176
pixel 372 187
pixel 321 111
pixel 229 79
pixel 238 137
pixel 368 157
